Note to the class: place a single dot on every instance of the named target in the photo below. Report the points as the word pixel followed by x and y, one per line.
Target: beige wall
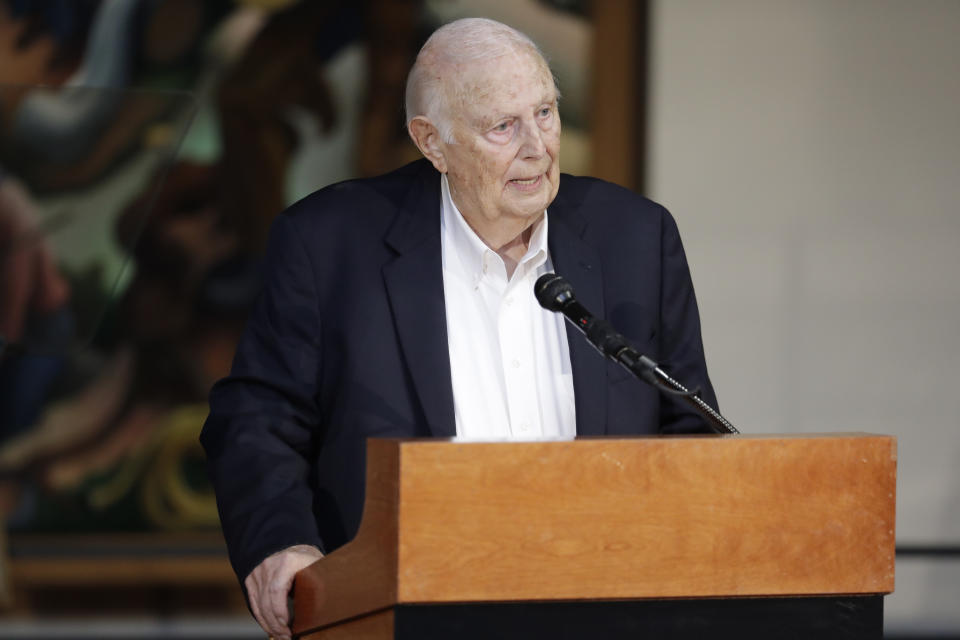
pixel 811 154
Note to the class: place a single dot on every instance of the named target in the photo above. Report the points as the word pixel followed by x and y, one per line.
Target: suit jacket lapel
pixel 579 263
pixel 414 282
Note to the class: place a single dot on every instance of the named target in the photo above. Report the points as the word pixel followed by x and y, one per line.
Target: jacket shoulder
pixel 360 199
pixel 599 201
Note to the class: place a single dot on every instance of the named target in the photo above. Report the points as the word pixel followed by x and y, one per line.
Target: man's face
pixel 504 166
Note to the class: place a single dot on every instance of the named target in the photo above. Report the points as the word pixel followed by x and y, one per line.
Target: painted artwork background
pixel 146 146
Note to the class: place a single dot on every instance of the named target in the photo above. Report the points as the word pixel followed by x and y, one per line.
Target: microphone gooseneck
pixel 556 294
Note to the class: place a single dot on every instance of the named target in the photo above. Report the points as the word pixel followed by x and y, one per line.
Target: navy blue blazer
pixel 348 341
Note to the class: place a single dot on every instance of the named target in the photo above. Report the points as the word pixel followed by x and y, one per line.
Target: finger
pixel 272 615
pixel 278 605
pixel 254 596
pixel 271 624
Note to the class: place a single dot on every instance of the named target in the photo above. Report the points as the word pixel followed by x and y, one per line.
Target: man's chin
pixel 529 215
pixel 535 201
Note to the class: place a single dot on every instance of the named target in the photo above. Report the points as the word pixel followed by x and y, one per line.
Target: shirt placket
pixel 518 359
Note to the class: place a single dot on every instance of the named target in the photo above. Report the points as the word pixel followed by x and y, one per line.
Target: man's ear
pixel 427 138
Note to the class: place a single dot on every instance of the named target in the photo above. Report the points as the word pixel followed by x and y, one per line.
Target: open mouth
pixel 526 183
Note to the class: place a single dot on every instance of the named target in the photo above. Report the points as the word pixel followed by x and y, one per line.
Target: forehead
pixel 514 81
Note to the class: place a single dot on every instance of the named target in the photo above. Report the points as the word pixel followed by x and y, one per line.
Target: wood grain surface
pixel 360 577
pixel 657 517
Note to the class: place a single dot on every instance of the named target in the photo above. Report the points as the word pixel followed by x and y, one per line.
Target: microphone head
pixel 553 292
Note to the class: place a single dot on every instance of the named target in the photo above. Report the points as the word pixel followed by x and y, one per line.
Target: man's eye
pixel 502 127
pixel 545 112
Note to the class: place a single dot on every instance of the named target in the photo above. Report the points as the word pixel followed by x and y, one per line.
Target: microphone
pixel 554 293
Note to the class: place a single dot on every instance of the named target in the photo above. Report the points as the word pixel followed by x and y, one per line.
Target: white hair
pixel 457 43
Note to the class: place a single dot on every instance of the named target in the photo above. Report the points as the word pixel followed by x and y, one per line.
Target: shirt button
pixel 516 364
pixel 524 426
pixel 509 301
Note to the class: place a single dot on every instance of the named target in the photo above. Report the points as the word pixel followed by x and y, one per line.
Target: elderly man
pixel 402 306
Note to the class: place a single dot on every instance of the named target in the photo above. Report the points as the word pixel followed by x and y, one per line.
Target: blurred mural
pixel 127 268
pixel 145 146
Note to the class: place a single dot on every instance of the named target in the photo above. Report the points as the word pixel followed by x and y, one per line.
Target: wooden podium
pixel 663 537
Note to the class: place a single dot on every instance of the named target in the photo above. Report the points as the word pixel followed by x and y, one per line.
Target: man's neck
pixel 513 251
pixel 510 251
pixel 511 244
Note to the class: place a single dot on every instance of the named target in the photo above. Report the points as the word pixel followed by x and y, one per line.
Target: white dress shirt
pixel 509 360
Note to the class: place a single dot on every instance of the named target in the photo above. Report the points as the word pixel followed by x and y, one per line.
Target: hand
pixel 268 586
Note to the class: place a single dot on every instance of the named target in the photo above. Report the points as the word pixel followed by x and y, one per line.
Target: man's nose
pixel 532 145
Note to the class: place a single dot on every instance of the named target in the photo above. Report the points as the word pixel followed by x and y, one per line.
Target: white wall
pixel 811 154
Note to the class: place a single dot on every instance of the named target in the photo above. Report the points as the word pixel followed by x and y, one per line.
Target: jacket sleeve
pixel 264 418
pixel 681 345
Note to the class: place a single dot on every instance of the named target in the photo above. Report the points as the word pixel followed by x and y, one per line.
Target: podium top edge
pixel 845 435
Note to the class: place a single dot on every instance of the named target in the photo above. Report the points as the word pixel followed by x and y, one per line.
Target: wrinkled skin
pixel 268 586
pixel 503 163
